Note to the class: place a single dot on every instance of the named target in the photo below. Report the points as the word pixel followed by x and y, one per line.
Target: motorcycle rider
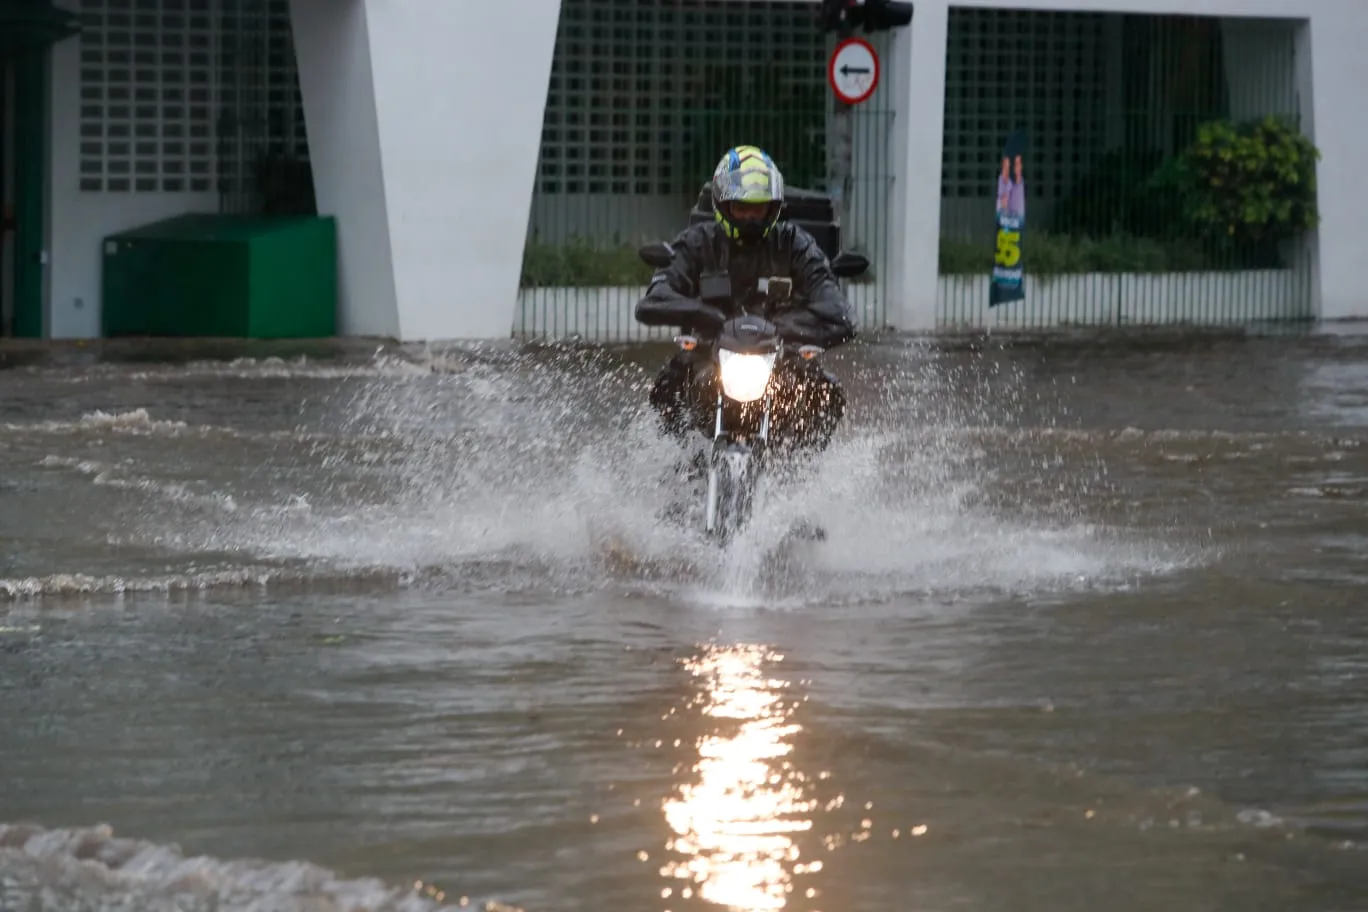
pixel 747 243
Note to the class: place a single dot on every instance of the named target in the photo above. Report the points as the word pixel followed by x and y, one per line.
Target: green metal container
pixel 208 274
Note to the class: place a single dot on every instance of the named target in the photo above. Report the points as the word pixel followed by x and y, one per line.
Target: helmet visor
pixel 753 182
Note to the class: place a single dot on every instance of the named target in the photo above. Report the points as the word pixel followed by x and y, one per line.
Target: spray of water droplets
pixel 543 467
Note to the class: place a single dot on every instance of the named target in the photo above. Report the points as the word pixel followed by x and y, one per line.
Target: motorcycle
pixel 743 358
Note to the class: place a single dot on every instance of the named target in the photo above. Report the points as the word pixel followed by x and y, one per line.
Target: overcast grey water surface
pixel 364 626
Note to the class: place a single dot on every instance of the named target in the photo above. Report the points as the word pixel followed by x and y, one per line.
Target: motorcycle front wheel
pixel 731 492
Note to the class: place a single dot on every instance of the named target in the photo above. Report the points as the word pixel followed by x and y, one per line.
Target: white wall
pixel 430 170
pixel 1339 70
pixel 79 221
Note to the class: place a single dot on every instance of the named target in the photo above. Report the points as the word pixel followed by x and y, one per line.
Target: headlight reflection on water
pixel 735 825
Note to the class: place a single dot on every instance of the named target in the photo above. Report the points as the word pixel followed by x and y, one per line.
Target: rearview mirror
pixel 657 254
pixel 847 265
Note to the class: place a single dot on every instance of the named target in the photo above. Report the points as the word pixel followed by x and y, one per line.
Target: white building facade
pixel 452 141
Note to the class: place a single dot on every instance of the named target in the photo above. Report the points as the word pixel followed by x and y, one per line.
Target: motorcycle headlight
pixel 744 377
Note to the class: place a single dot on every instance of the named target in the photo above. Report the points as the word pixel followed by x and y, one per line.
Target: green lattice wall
pixel 183 96
pixel 1047 72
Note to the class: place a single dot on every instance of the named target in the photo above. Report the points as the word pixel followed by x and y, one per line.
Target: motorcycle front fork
pixel 720 437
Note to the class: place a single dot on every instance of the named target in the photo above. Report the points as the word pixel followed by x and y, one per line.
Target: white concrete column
pixel 918 71
pixel 332 49
pixel 1304 105
pixel 1339 68
pixel 424 120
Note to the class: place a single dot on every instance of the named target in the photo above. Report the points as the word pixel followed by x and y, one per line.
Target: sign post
pixel 853 73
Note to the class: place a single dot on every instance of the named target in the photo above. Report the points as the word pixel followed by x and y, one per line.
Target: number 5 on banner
pixel 1008 248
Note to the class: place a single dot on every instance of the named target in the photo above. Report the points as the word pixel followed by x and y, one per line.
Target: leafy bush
pixel 1238 190
pixel 1249 183
pixel 582 264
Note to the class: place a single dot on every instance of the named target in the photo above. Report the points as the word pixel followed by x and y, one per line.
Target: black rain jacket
pixel 816 313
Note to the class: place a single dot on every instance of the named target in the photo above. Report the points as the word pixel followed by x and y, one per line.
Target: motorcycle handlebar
pixel 690 342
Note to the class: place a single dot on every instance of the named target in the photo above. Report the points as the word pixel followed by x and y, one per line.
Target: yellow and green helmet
pixel 746 174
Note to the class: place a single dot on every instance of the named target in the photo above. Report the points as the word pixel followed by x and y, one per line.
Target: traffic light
pixel 874 15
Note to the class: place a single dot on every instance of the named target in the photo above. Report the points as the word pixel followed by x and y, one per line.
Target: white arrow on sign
pixel 853 71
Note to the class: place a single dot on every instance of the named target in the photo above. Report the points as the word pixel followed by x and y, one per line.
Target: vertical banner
pixel 1007 282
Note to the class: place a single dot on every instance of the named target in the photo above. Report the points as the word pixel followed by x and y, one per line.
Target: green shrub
pixel 582 264
pixel 1250 183
pixel 1238 190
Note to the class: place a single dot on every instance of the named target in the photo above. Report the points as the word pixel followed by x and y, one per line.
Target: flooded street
pixel 310 626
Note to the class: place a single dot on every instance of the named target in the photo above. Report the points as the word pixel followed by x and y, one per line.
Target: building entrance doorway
pixel 8 212
pixel 28 29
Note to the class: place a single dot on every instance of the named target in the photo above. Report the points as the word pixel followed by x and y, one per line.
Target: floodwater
pixel 380 627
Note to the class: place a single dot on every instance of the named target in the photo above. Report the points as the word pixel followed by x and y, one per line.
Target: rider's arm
pixel 824 318
pixel 672 297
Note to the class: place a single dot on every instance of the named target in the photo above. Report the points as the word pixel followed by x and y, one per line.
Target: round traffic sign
pixel 853 71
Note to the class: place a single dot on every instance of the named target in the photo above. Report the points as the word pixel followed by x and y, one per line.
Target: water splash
pixel 91 869
pixel 550 460
pixel 543 467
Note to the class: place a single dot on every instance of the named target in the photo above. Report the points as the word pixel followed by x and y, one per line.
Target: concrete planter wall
pixel 1091 299
pixel 606 314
